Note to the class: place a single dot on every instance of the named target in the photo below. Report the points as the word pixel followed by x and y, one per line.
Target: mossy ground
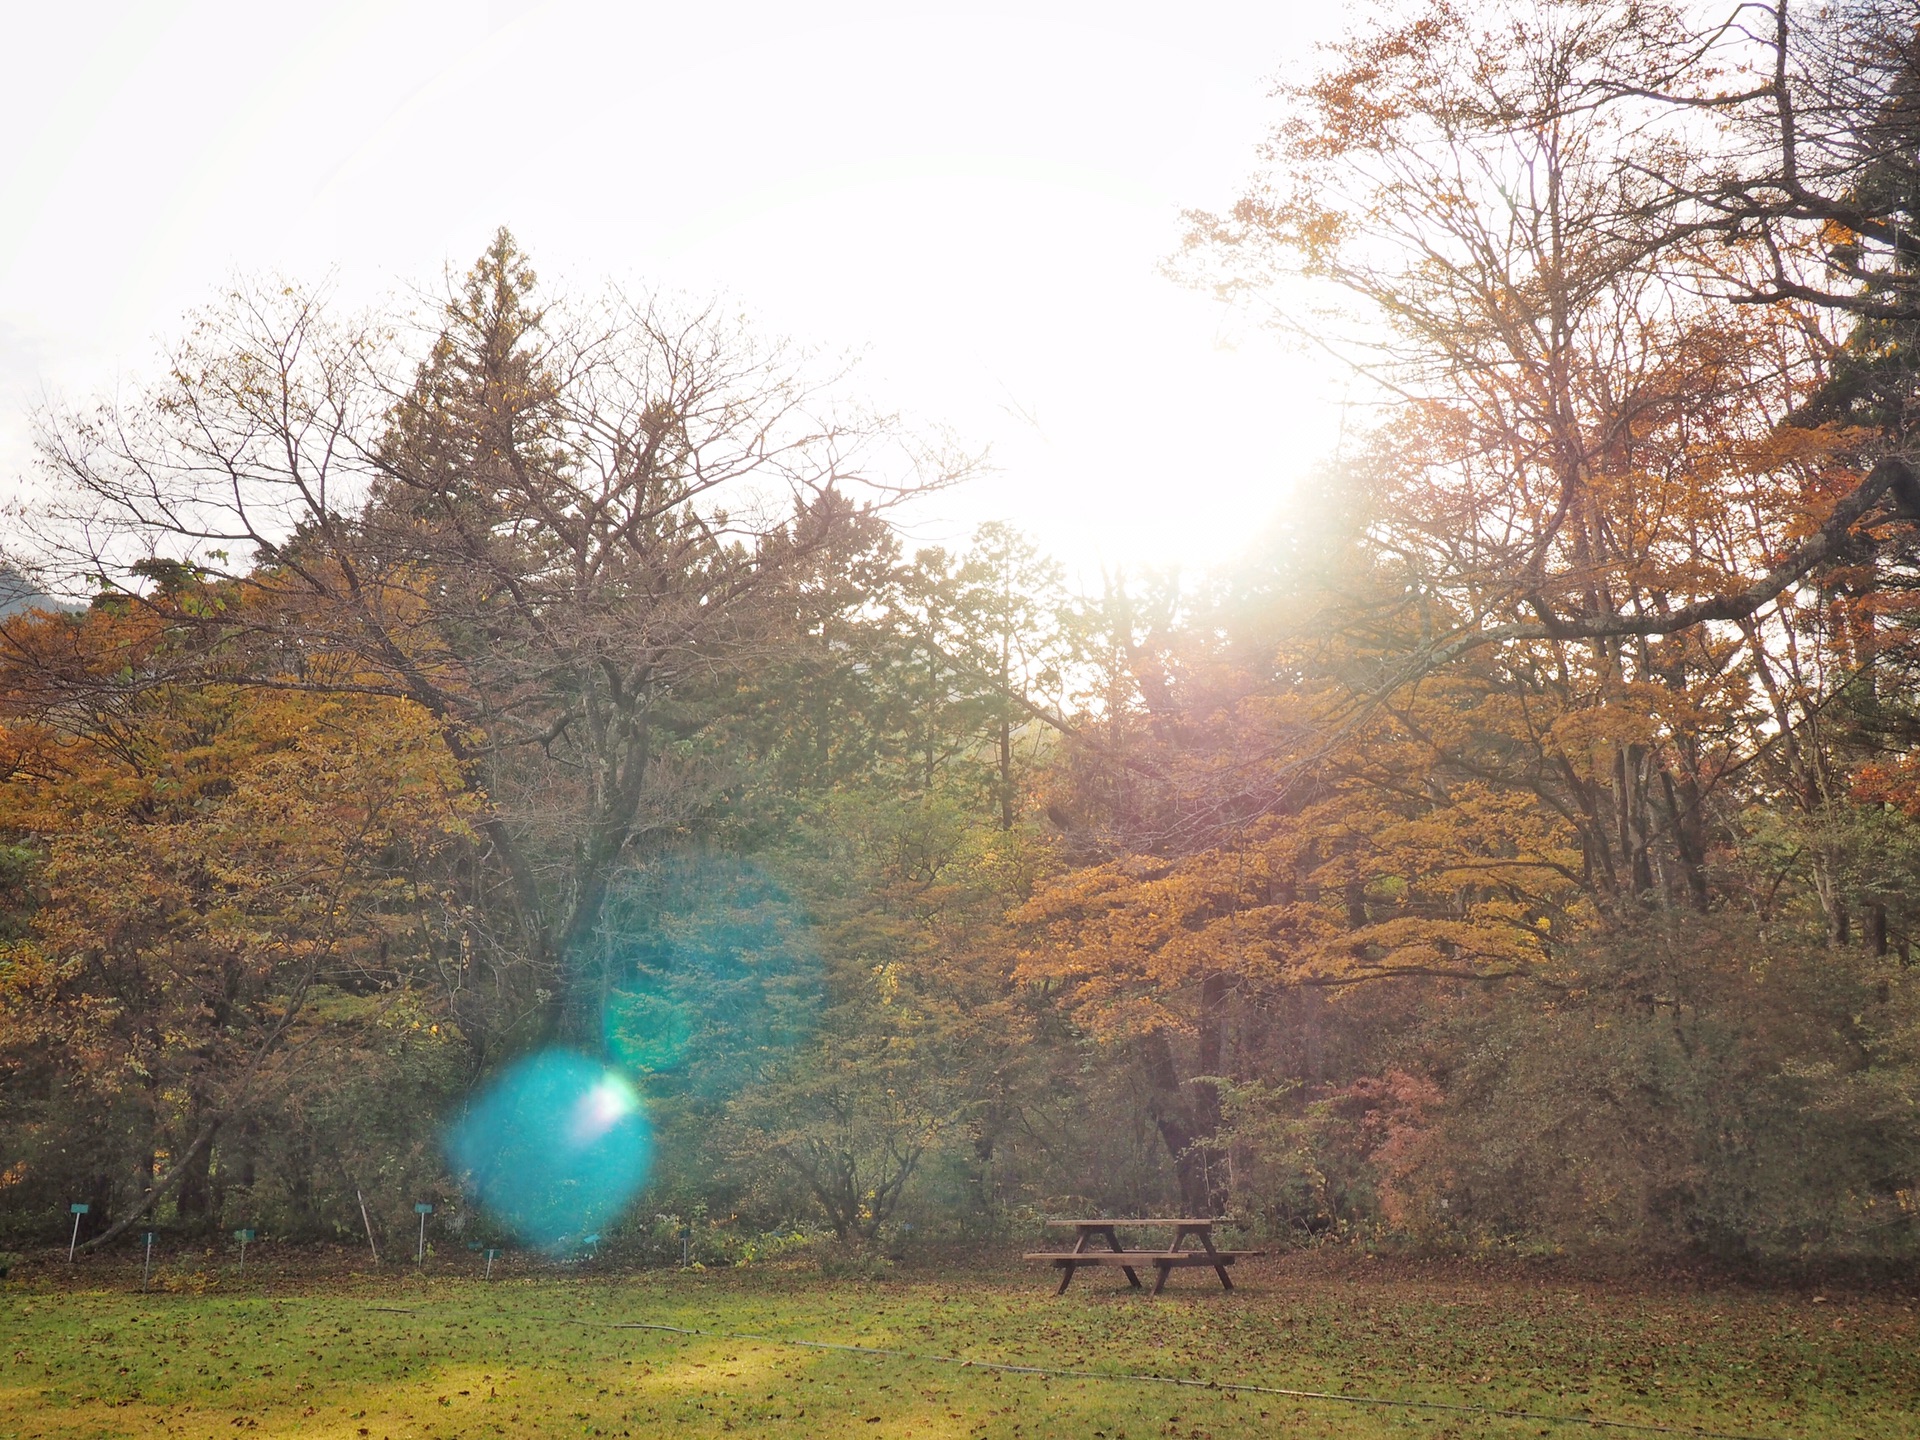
pixel 381 1357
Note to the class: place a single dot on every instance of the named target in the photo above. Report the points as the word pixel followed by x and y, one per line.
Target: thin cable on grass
pixel 1236 1386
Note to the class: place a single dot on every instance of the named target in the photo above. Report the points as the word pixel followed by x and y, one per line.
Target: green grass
pixel 527 1356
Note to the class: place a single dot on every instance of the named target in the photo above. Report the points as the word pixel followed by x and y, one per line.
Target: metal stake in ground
pixel 77 1210
pixel 368 1223
pixel 490 1255
pixel 243 1236
pixel 146 1270
pixel 422 1209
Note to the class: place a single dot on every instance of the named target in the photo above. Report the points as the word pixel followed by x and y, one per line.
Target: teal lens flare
pixel 556 1148
pixel 713 974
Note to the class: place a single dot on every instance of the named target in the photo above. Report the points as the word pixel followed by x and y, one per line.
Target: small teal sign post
pixel 490 1255
pixel 243 1236
pixel 422 1209
pixel 146 1271
pixel 76 1210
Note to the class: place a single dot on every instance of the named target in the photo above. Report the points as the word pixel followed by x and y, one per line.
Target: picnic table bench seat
pixel 1163 1261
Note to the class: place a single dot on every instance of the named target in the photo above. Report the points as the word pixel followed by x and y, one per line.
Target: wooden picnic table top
pixel 1137 1220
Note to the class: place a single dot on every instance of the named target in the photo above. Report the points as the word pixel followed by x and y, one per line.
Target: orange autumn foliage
pixel 210 860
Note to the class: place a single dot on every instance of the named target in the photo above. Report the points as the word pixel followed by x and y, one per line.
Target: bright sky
pixel 976 197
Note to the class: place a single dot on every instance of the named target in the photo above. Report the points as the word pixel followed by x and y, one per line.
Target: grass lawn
pixel 384 1357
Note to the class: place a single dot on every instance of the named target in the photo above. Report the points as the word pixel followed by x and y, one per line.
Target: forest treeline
pixel 1518 846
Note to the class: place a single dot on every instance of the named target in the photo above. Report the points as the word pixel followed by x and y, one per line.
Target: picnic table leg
pixel 1113 1241
pixel 1206 1240
pixel 1160 1281
pixel 1067 1267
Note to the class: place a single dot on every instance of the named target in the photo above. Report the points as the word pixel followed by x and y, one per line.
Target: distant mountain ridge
pixel 18 593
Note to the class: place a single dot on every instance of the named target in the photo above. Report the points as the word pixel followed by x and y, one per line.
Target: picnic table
pixel 1166 1261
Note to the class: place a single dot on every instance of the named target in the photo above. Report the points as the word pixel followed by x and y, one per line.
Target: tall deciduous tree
pixel 557 533
pixel 1593 447
pixel 1587 535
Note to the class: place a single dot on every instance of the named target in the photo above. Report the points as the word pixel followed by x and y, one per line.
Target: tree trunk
pixel 1006 774
pixel 194 1161
pixel 1171 1118
pixel 195 1174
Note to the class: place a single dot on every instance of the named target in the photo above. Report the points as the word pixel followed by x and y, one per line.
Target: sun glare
pixel 992 250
